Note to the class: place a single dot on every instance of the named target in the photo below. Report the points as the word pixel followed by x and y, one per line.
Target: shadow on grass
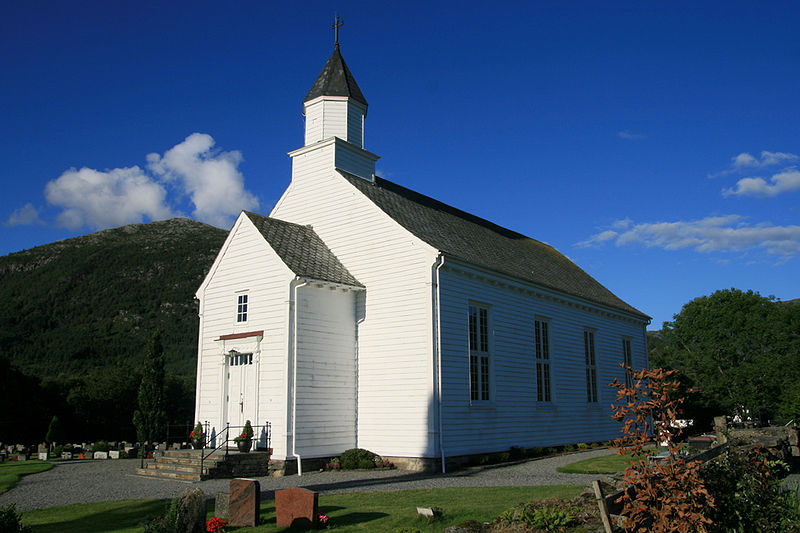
pixel 115 516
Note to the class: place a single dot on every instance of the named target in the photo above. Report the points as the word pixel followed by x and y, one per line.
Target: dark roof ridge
pixel 486 244
pixel 302 250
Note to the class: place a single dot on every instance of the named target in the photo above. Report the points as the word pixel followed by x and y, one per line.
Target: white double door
pixel 240 391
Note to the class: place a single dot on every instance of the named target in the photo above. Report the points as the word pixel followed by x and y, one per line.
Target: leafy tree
pixel 150 418
pixel 736 349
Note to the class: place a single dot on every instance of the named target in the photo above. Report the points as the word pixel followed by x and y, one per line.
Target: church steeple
pixel 335 105
pixel 335 109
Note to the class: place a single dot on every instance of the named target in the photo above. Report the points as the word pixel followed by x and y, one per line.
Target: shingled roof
pixel 335 80
pixel 478 241
pixel 301 249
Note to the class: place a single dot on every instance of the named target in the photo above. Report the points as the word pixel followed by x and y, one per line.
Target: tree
pixel 55 432
pixel 660 496
pixel 737 349
pixel 150 418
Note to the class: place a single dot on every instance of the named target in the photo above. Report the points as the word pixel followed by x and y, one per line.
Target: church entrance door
pixel 241 397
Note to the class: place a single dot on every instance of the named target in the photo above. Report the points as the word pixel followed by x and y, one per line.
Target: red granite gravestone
pixel 244 502
pixel 295 507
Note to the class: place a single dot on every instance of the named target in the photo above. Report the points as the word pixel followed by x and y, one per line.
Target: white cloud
pixel 24 216
pixel 625 134
pixel 745 161
pixel 788 180
pixel 211 179
pixel 106 199
pixel 711 234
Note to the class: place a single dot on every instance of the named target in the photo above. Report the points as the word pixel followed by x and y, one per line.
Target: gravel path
pixel 93 481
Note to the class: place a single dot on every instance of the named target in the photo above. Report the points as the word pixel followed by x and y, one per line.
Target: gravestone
pixel 66 455
pixel 113 454
pixel 244 502
pixel 22 457
pixel 192 510
pixel 101 455
pixel 295 507
pixel 43 456
pixel 222 505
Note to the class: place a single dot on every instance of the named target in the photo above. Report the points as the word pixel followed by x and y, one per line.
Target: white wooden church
pixel 363 314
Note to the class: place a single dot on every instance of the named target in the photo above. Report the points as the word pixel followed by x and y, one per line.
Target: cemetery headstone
pixel 295 507
pixel 113 454
pixel 192 510
pixel 222 505
pixel 244 502
pixel 66 455
pixel 43 456
pixel 101 455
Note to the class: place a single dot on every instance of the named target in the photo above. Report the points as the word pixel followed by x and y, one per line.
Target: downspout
pixel 294 375
pixel 438 347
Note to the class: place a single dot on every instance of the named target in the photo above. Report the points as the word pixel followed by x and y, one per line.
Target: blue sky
pixel 655 144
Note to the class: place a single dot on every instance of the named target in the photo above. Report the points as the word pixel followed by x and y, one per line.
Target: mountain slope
pixel 77 314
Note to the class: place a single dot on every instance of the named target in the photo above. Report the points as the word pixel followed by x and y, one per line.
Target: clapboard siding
pixel 395 373
pixel 513 417
pixel 326 372
pixel 245 263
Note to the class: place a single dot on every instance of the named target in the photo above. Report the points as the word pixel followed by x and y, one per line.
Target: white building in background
pixel 363 314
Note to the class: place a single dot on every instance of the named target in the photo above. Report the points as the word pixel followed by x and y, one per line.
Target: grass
pixel 11 472
pixel 356 512
pixel 607 464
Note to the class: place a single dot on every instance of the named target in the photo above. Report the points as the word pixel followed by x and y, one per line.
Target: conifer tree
pixel 55 432
pixel 150 417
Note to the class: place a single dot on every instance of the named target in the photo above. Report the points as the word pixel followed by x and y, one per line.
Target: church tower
pixel 335 109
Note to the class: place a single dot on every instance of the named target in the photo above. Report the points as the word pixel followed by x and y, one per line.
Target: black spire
pixel 336 80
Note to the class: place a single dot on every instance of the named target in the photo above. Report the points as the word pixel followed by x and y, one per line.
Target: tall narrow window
pixel 591 366
pixel 542 332
pixel 478 353
pixel 627 359
pixel 241 309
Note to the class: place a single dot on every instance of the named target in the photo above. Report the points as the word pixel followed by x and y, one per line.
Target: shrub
pixel 517 452
pixel 10 521
pixel 583 446
pixel 357 458
pixel 748 495
pixel 100 446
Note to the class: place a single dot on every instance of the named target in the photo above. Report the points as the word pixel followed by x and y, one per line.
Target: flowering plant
pixel 322 521
pixel 197 432
pixel 247 433
pixel 216 524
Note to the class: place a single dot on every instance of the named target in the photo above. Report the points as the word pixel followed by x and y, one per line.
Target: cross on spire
pixel 339 22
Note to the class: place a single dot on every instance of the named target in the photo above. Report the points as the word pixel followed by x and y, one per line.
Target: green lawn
pixel 607 464
pixel 11 472
pixel 356 512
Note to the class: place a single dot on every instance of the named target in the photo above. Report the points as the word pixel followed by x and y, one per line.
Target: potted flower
pixel 197 437
pixel 245 440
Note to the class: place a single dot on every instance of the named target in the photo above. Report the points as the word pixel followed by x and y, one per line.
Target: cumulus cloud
pixel 788 180
pixel 192 169
pixel 210 178
pixel 625 134
pixel 711 234
pixel 104 199
pixel 24 216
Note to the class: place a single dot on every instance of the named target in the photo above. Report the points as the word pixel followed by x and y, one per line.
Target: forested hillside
pixel 76 318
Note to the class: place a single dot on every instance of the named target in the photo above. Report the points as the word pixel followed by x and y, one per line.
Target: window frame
pixel 627 360
pixel 242 307
pixel 479 347
pixel 590 361
pixel 543 368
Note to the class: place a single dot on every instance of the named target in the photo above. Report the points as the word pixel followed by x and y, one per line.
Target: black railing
pixel 262 438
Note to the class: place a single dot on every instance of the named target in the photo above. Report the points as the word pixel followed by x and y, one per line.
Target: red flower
pixel 216 524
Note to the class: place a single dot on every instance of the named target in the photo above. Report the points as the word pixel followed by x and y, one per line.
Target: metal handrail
pixel 224 442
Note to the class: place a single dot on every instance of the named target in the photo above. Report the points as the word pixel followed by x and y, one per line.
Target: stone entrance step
pixel 185 465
